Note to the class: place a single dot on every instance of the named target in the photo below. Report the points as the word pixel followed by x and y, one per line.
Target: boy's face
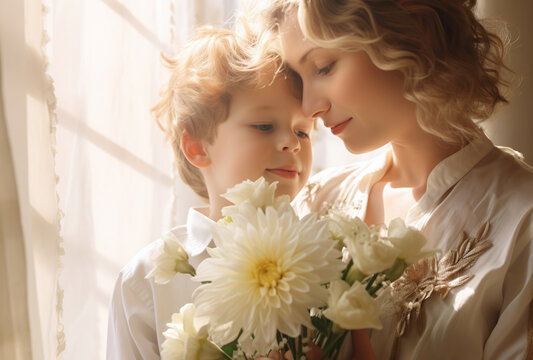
pixel 266 135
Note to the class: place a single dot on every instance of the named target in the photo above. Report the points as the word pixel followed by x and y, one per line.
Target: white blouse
pixel 140 308
pixel 473 300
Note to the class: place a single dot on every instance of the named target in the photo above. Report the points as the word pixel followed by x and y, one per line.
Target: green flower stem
pixel 375 289
pixel 319 339
pixel 371 282
pixel 331 344
pixel 338 345
pixel 292 347
pixel 347 269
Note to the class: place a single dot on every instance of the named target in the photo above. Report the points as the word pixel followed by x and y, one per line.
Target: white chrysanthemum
pixel 258 194
pixel 351 307
pixel 169 258
pixel 265 274
pixel 186 338
pixel 370 253
pixel 408 240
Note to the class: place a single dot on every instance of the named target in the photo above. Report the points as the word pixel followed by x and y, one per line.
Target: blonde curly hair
pixel 197 97
pixel 452 63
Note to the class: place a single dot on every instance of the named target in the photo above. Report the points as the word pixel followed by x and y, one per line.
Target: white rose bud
pixel 186 338
pixel 372 255
pixel 169 258
pixel 352 307
pixel 408 241
pixel 259 194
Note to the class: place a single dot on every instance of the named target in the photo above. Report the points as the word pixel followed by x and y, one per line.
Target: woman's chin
pixel 361 148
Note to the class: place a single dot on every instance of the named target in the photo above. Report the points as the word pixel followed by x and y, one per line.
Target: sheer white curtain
pixel 29 256
pixel 116 184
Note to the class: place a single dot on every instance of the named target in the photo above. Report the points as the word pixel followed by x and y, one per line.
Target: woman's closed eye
pixel 326 69
pixel 263 127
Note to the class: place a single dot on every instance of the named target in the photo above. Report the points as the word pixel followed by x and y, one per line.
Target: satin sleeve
pixel 512 336
pixel 131 328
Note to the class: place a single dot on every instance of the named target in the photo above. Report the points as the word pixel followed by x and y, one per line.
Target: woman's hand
pixel 313 354
pixel 362 350
pixel 276 355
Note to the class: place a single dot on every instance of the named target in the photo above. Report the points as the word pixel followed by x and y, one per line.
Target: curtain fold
pixel 27 122
pixel 15 329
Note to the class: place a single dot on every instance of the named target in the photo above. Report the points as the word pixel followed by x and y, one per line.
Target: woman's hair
pixel 198 94
pixel 452 64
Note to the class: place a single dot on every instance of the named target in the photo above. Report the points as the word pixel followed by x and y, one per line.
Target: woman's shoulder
pixel 516 160
pixel 332 184
pixel 506 170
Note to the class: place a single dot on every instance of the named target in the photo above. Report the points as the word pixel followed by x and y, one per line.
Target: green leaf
pixel 345 271
pixel 232 346
pixel 321 323
pixel 396 270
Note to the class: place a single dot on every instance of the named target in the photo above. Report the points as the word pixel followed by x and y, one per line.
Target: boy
pixel 226 123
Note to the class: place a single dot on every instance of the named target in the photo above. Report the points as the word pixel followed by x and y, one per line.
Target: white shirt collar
pixel 446 174
pixel 440 180
pixel 198 232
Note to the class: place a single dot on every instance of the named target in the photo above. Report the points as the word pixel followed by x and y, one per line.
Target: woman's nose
pixel 313 104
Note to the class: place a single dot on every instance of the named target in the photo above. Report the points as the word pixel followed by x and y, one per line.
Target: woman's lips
pixel 337 129
pixel 289 174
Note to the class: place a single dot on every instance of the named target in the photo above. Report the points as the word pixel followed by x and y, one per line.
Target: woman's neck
pixel 414 158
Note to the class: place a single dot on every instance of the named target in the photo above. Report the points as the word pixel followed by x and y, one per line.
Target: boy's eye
pixel 302 134
pixel 326 69
pixel 263 127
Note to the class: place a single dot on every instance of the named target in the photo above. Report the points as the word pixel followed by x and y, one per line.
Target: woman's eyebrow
pixel 303 59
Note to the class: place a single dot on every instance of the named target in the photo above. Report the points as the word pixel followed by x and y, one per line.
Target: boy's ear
pixel 194 150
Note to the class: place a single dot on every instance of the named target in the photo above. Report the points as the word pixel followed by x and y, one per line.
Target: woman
pixel 415 74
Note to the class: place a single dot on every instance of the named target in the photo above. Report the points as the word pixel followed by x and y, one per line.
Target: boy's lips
pixel 289 172
pixel 339 127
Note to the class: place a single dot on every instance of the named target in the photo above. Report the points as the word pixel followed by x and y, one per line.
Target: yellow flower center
pixel 267 273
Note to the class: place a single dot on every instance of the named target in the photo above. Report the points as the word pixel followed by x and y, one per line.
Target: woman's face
pixel 360 103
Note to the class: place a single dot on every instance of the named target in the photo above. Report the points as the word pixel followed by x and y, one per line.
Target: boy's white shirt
pixel 140 308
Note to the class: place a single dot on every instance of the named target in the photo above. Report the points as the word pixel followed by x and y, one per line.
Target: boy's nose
pixel 290 142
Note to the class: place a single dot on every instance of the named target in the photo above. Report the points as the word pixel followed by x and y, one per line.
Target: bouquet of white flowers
pixel 274 281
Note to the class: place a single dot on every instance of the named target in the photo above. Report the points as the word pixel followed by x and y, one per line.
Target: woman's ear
pixel 194 150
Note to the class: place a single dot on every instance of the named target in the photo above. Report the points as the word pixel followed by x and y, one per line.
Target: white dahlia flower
pixel 266 271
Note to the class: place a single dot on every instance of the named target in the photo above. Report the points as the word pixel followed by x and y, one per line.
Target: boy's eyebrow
pixel 262 107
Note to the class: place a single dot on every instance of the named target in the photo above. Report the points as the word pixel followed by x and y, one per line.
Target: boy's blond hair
pixel 198 95
pixel 452 64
